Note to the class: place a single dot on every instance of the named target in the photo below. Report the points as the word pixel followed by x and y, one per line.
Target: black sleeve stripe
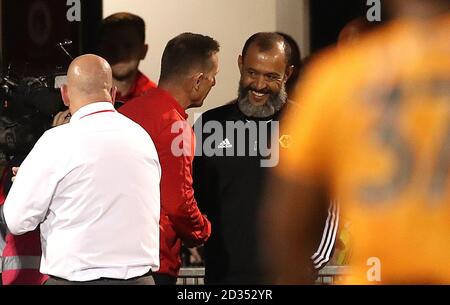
pixel 323 254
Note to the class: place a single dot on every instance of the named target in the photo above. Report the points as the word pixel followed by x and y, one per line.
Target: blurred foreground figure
pixel 374 133
pixel 354 31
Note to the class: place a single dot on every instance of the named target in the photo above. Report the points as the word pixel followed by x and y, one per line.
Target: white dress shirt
pixel 93 186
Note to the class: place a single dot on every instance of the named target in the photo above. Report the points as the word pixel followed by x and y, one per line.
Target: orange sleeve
pixel 312 126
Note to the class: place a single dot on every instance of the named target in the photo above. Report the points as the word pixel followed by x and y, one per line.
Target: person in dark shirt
pixel 234 153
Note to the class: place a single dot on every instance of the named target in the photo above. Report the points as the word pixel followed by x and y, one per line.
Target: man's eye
pixel 274 77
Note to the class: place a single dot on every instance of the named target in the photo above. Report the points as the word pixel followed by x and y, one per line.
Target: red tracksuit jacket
pixel 181 220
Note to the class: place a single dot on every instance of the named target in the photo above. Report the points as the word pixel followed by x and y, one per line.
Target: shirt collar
pixel 141 81
pixel 91 108
pixel 138 87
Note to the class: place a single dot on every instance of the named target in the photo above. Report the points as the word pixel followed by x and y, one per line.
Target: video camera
pixel 26 112
pixel 27 108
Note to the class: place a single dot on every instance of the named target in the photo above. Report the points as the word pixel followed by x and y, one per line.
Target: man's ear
pixel 65 95
pixel 113 94
pixel 288 73
pixel 240 64
pixel 196 80
pixel 144 51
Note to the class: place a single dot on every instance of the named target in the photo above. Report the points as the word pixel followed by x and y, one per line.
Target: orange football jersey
pixel 375 127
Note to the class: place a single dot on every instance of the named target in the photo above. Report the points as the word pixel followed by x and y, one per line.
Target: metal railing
pixel 327 276
pixel 191 276
pixel 330 274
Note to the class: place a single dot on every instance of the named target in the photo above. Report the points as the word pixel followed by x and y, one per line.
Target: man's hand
pixel 14 172
pixel 61 118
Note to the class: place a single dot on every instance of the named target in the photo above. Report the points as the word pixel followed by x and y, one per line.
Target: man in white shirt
pixel 93 187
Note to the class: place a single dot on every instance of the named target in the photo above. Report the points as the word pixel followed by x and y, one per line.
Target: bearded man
pixel 236 145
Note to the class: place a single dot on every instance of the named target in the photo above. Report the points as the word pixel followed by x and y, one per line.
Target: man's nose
pixel 119 53
pixel 259 83
pixel 122 51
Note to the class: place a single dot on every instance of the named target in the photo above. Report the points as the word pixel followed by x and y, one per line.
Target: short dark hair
pixel 120 20
pixel 266 41
pixel 185 52
pixel 294 60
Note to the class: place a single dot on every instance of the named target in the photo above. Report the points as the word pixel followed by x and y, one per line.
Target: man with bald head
pixel 89 79
pixel 93 188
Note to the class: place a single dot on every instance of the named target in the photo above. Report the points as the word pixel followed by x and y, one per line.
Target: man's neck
pixel 84 101
pixel 177 93
pixel 124 86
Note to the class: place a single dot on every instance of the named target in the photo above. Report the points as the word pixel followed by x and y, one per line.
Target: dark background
pixel 328 17
pixel 28 54
pixel 31 30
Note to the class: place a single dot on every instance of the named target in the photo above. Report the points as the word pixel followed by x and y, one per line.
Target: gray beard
pixel 274 103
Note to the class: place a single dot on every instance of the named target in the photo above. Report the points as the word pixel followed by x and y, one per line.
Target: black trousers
pixel 164 279
pixel 146 279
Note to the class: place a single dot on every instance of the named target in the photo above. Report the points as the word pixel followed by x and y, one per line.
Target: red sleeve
pixel 3 178
pixel 176 153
